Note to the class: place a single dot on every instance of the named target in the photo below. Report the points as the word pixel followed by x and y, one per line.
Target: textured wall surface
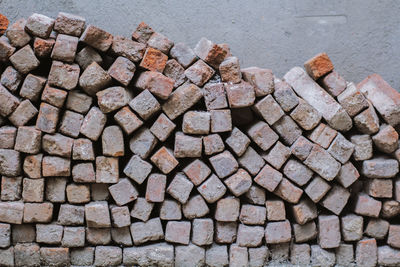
pixel 360 36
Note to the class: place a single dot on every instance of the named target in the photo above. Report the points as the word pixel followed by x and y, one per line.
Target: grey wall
pixel 360 36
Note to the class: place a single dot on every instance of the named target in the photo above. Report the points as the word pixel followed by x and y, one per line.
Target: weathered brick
pixel 275 210
pixel 11 212
pixel 23 233
pixel 170 210
pixel 73 237
pixel 142 33
pixel 107 170
pixel 301 148
pixel 387 139
pixel 195 207
pixel 112 141
pixel 377 228
pixel 251 161
pixel 97 38
pixel 196 122
pixel 5 235
pixel 352 227
pixel 212 189
pixel 324 103
pixel 38 212
pixel 288 191
pixel 239 183
pixel 323 135
pixel 227 210
pixel 321 162
pixel 237 141
pixel 97 214
pixel 175 71
pixel 240 95
pixel 380 188
pixel 164 160
pixel 78 102
pixel 153 60
pixel 306 232
pixel 141 209
pixel 394 236
pixel 367 206
pixel 65 48
pixel 305 115
pixel 252 215
pixel 112 99
pixel 98 236
pixel 24 60
pixel 366 252
pixel 304 211
pixel 99 192
pixel 28 140
pixel 333 83
pixel 287 129
pixel 388 256
pixel 225 232
pixel 56 166
pixel 124 47
pixel 143 232
pixel 145 104
pixel 215 96
pixel 23 113
pixel 250 236
pixel 224 164
pixel 181 100
pixel 142 142
pixel 180 188
pixel 57 145
pixel 197 171
pixel 329 231
pixel 213 144
pixel 82 149
pixel 27 254
pixel 190 255
pixel 32 190
pixel 390 209
pixel 322 257
pixel 122 236
pixel 10 162
pixel 54 96
pixel 48 118
pixel 367 122
pixel 71 215
pixel 39 25
pixel 128 121
pixel 11 188
pixel 380 167
pixel 137 169
pixel 32 87
pixel 11 79
pixel 156 83
pixel 43 47
pixel 86 56
pixel 94 78
pixel 183 54
pixel 261 79
pixel 336 199
pixel 122 70
pixel 120 216
pixel 78 193
pixel 71 24
pixel 93 124
pixel 238 256
pixel 384 98
pixel 317 189
pixel 55 189
pixel 6 49
pixel 229 70
pixel 49 233
pixel 178 232
pixel 262 135
pixel 155 190
pixel 107 256
pixel 269 109
pixel 160 42
pixel 16 33
pixel 221 121
pixel 297 172
pixel 277 232
pixel 352 100
pixel 8 102
pixel 210 52
pixel 341 148
pixel 285 96
pixel 64 75
pixel 217 256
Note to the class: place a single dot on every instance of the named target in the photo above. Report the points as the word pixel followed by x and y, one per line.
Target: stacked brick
pixel 144 152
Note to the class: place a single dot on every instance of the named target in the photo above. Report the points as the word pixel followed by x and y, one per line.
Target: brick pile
pixel 144 152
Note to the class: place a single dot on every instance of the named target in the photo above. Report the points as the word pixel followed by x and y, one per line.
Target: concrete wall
pixel 360 36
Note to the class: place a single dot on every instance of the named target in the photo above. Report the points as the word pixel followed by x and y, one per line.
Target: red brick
pixel 318 66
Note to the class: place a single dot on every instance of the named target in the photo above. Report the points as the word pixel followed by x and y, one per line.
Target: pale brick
pixel 387 139
pixel 93 124
pixel 239 183
pixel 377 228
pixel 23 113
pixel 394 236
pixel 155 190
pixel 322 257
pixel 11 188
pixel 325 104
pixel 56 166
pixel 217 256
pixel 78 101
pixel 24 60
pixel 180 187
pixel 345 255
pixel 32 87
pixel 64 75
pixel 333 83
pixel 256 195
pixel 11 79
pixel 366 253
pixel 225 232
pixel 27 254
pixel 122 236
pixel 278 232
pixel 123 192
pixel 190 255
pixel 352 100
pixel 221 121
pixel 65 48
pixel 97 38
pixel 229 70
pixel 28 140
pixel 38 212
pixel 329 231
pixel 122 70
pixel 388 256
pixel 107 256
pixel 69 24
pixel 304 211
pixel 215 96
pixel 238 256
pixel 367 122
pixel 321 162
pixel 142 209
pixel 305 115
pixel 94 78
pixel 306 232
pixel 261 79
pixel 170 210
pixel 301 148
pixel 252 214
pixel 213 144
pixel 196 122
pixel 55 189
pixel 82 149
pixel 32 190
pixel 275 210
pixel 156 83
pixel 285 96
pixel 47 118
pixel 341 149
pixel 323 135
pixel 112 98
pixel 287 129
pixel 240 95
pixel 380 168
pixel 210 52
pixel 238 141
pixel 162 127
pixel 107 170
pixel 57 145
pixel 142 142
pixel 71 215
pixel 336 199
pixel 78 193
pixel 367 206
pixel 98 236
pixel 269 109
pixel 49 233
pixel 212 189
pixel 288 191
pixel 183 54
pixel 352 227
pixel 317 189
pixel 143 232
pixel 262 135
pixel 54 96
pixel 250 236
pixel 300 254
pixel 16 33
pixel 251 161
pixel 178 232
pixel 73 237
pixel 380 188
pixel 97 214
pixel 297 172
pixel 128 120
pixel 124 47
pixel 224 164
pixel 112 141
pixel 195 207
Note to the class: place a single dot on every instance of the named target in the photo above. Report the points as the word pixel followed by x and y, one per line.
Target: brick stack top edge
pixel 144 152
